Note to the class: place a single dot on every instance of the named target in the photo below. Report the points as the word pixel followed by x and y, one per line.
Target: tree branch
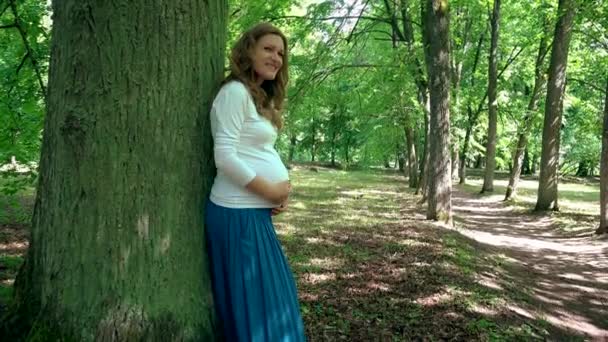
pixel 512 56
pixel 28 48
pixel 393 21
pixel 22 62
pixel 5 8
pixel 8 26
pixel 357 22
pixel 329 18
pixel 603 44
pixel 589 84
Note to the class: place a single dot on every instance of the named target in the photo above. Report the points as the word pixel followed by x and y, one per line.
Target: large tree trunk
pixel 603 228
pixel 547 186
pixel 522 138
pixel 412 160
pixel 117 245
pixel 488 181
pixel 424 97
pixel 436 21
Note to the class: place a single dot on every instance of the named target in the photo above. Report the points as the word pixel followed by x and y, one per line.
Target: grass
pixel 578 198
pixel 16 206
pixel 9 266
pixel 369 267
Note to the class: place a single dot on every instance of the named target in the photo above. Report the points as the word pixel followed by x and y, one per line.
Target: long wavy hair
pixel 270 95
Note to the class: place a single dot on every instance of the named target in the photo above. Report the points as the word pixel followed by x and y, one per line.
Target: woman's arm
pixel 227 117
pixel 276 193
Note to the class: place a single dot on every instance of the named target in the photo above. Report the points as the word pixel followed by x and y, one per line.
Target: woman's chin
pixel 270 76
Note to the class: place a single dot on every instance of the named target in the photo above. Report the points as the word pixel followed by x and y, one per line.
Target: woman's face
pixel 267 57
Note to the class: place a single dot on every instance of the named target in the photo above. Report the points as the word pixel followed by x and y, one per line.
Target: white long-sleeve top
pixel 243 148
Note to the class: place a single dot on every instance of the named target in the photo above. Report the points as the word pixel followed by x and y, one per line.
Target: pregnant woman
pixel 254 291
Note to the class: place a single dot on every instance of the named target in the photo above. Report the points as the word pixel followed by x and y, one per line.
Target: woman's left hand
pixel 280 209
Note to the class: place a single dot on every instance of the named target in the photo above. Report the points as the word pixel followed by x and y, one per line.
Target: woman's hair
pixel 268 97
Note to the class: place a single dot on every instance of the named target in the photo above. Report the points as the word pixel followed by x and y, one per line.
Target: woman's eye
pixel 267 49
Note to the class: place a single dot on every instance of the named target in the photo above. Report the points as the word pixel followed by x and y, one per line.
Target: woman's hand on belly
pixel 276 193
pixel 280 209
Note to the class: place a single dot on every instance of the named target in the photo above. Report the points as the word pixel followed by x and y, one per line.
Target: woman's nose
pixel 277 57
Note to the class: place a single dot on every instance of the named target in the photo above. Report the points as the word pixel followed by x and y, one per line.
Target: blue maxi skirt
pixel 253 288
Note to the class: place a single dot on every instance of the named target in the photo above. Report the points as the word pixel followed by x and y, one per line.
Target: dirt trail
pixel 565 274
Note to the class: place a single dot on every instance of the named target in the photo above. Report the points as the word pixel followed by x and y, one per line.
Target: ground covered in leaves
pixel 369 267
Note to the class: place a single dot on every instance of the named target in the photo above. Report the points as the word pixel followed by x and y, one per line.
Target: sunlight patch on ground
pixel 297 205
pixel 489 282
pixel 285 228
pixel 474 206
pixel 483 310
pixel 586 197
pixel 572 276
pixel 315 278
pixel 339 201
pixel 399 271
pixel 305 296
pixel 525 243
pixel 381 192
pixel 568 320
pixel 378 286
pixel 13 246
pixel 521 311
pixel 435 299
pixel 548 300
pixel 326 263
pixel 412 242
pixel 319 241
pixel 421 264
pixel 602 279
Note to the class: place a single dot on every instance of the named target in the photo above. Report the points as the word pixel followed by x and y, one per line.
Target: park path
pixel 565 274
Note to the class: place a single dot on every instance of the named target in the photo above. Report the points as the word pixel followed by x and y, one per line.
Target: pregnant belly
pixel 272 170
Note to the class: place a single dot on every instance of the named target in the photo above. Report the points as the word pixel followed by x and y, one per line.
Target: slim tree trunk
pixel 455 161
pixel 437 28
pixel 488 181
pixel 292 147
pixel 313 146
pixel 333 148
pixel 465 148
pixel 411 158
pixel 603 228
pixel 547 186
pixel 522 138
pixel 526 167
pixel 406 34
pixel 117 250
pixel 472 117
pixel 423 183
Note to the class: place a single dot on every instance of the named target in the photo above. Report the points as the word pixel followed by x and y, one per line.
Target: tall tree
pixel 524 129
pixel 547 187
pixel 603 228
pixel 436 34
pixel 471 116
pixel 117 250
pixel 488 181
pixel 407 35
